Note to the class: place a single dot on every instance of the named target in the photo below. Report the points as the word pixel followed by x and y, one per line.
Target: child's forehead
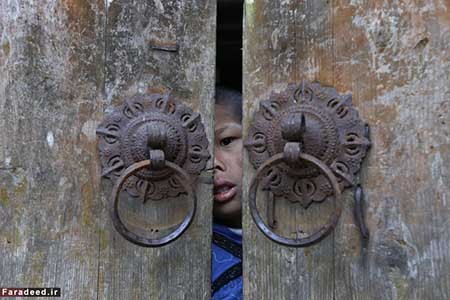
pixel 226 113
pixel 230 127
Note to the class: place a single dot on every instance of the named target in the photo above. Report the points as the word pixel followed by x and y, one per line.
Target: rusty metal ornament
pixel 152 147
pixel 307 143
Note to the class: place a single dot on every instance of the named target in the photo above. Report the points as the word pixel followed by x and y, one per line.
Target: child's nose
pixel 218 163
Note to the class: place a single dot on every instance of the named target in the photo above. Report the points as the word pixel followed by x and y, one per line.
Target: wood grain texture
pixel 275 41
pixel 394 57
pixel 50 100
pixel 64 64
pixel 135 63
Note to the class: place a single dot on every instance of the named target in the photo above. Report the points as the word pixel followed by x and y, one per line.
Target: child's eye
pixel 226 141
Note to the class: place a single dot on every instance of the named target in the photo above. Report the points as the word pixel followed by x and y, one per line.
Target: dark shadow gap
pixel 229 43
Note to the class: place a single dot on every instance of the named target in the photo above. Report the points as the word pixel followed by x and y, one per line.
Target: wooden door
pixel 394 58
pixel 63 64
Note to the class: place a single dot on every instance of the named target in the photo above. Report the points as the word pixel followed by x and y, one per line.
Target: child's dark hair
pixel 231 99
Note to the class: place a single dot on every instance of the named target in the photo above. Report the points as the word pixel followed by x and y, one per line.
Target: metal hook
pixel 358 212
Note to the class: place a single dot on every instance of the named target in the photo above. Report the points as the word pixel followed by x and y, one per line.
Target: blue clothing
pixel 226 264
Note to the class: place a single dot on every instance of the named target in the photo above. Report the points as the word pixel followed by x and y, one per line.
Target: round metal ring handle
pixel 299 242
pixel 135 238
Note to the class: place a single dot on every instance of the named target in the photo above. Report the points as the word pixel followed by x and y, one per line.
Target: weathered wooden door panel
pixel 50 99
pixel 64 64
pixel 394 58
pixel 161 46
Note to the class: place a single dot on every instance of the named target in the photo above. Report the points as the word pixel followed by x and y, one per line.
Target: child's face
pixel 227 167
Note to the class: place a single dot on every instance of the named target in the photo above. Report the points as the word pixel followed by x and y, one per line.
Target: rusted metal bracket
pixel 359 199
pixel 171 46
pixel 307 144
pixel 152 147
pixel 359 212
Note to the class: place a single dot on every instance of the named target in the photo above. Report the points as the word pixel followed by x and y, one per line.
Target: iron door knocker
pixel 307 143
pixel 153 147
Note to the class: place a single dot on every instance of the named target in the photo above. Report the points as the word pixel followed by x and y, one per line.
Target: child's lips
pixel 224 190
pixel 225 194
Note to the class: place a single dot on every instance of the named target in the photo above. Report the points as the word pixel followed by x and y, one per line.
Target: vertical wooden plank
pixel 285 42
pixel 51 61
pixel 393 56
pixel 396 62
pixel 137 64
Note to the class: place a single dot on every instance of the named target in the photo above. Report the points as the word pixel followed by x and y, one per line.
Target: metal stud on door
pixel 153 147
pixel 307 143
